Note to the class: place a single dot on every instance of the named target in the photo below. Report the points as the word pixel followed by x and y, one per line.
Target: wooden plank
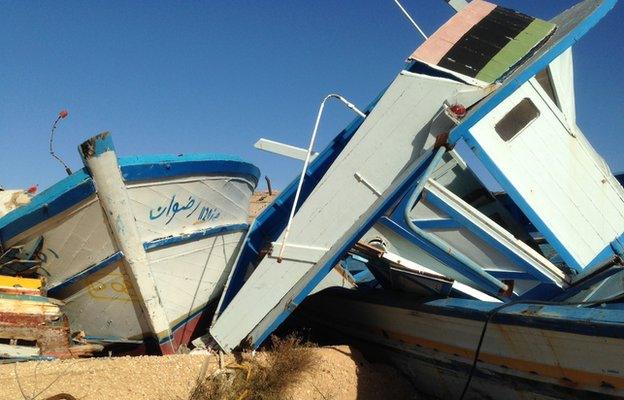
pixel 14 351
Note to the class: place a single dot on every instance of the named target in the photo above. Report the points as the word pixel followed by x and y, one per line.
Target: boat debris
pixel 32 326
pixel 536 266
pixel 387 236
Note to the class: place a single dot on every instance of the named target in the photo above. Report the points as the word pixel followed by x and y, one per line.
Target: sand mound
pixel 338 373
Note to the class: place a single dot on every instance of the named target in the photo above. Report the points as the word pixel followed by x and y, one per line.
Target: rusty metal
pixel 268 181
pixel 376 255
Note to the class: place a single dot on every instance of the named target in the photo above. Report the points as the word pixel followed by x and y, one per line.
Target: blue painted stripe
pixel 49 203
pixel 618 245
pixel 510 275
pixel 142 168
pixel 56 290
pixel 101 143
pixel 77 187
pixel 583 321
pixel 561 44
pixel 415 172
pixel 194 236
pixel 429 224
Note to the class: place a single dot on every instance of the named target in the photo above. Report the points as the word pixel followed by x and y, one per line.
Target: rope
pixel 496 310
pixel 199 282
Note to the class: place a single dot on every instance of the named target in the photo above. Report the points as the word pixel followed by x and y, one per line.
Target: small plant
pixel 263 377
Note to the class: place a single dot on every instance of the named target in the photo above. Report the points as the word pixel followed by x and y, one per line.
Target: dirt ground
pixel 339 373
pixel 259 201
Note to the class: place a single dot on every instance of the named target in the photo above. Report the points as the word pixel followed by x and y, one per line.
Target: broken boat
pixel 472 294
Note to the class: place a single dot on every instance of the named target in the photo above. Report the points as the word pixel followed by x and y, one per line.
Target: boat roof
pixel 483 41
pixel 572 24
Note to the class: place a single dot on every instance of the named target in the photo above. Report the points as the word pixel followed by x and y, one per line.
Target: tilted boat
pixel 466 295
pixel 139 247
pixel 529 351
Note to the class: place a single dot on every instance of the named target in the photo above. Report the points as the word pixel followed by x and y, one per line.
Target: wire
pixel 199 282
pixel 54 125
pixel 525 302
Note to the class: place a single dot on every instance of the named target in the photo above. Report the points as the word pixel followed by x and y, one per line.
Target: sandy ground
pixel 339 373
pixel 259 201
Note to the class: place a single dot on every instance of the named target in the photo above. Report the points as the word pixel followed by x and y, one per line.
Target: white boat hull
pixel 190 227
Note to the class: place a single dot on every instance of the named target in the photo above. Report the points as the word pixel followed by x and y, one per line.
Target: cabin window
pixel 517 119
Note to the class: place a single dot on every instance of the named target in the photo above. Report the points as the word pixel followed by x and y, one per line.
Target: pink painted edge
pixel 448 34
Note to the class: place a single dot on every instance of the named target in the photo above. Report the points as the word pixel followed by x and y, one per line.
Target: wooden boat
pixel 137 247
pixel 391 180
pixel 394 167
pixel 528 352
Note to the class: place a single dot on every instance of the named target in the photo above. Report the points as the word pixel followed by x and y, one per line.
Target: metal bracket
pixel 295 252
pixel 360 178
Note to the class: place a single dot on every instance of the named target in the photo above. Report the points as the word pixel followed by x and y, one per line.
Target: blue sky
pixel 213 76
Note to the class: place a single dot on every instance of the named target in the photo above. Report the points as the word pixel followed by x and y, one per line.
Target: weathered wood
pixel 11 351
pixel 99 156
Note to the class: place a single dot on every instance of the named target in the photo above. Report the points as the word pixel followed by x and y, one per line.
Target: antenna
pixel 411 19
pixel 61 115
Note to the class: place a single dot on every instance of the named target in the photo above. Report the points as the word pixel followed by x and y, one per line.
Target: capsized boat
pixel 501 82
pixel 139 247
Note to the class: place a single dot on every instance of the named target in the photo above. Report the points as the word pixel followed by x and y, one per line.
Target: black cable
pixel 494 311
pixel 54 125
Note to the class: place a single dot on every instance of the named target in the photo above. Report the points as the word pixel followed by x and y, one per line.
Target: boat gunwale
pixel 596 322
pixel 79 186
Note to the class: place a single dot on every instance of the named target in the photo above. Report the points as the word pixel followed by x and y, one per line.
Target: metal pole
pixel 98 155
pixel 411 19
pixel 268 181
pixel 352 107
